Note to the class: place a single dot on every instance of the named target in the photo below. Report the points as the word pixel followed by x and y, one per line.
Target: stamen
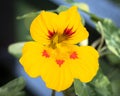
pixel 73 55
pixel 68 32
pixel 50 34
pixel 59 62
pixel 44 53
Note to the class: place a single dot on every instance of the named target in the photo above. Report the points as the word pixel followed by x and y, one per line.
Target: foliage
pixel 111 34
pixel 13 88
pixel 16 49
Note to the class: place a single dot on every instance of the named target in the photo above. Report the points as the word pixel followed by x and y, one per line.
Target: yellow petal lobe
pixel 86 66
pixel 71 19
pixel 41 25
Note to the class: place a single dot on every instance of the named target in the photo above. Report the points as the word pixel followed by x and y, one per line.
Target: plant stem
pixel 102 37
pixel 101 44
pixel 95 43
pixel 105 53
pixel 53 93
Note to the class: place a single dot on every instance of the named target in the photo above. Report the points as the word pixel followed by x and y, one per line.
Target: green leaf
pixel 28 15
pixel 116 87
pixel 80 88
pixel 69 1
pixel 102 85
pixel 111 34
pixel 69 91
pixel 28 18
pixel 61 8
pixel 13 88
pixel 82 6
pixel 93 17
pixel 16 84
pixel 110 31
pixel 16 49
pixel 113 59
pixel 113 73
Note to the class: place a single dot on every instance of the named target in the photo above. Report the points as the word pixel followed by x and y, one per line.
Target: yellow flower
pixel 53 54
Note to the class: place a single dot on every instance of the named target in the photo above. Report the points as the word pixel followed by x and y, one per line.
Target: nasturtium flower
pixel 54 54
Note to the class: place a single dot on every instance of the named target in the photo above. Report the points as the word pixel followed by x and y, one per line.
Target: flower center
pixel 58 38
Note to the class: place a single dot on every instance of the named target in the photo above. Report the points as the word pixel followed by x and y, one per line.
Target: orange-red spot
pixel 73 55
pixel 59 62
pixel 50 34
pixel 45 53
pixel 68 32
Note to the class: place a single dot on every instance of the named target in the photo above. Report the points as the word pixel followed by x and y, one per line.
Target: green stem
pixel 53 93
pixel 105 53
pixel 102 37
pixel 95 43
pixel 104 48
pixel 101 44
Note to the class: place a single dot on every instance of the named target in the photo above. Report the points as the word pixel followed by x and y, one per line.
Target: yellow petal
pixel 41 25
pixel 86 66
pixel 71 19
pixel 31 59
pixel 57 78
pixel 35 65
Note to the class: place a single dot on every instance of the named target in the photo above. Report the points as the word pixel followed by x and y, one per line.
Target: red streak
pixel 44 53
pixel 73 55
pixel 59 62
pixel 50 34
pixel 68 32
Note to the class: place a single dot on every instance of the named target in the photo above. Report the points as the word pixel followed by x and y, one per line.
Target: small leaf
pixel 69 91
pixel 82 6
pixel 113 59
pixel 28 18
pixel 16 49
pixel 102 85
pixel 61 8
pixel 28 15
pixel 13 88
pixel 80 88
pixel 16 84
pixel 93 17
pixel 113 73
pixel 111 34
pixel 116 87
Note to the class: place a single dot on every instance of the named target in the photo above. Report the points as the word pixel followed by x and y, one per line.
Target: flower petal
pixel 86 66
pixel 57 78
pixel 70 19
pixel 31 59
pixel 44 23
pixel 36 62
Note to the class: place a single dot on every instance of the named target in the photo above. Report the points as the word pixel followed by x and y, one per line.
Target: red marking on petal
pixel 59 62
pixel 68 32
pixel 44 53
pixel 50 34
pixel 73 55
